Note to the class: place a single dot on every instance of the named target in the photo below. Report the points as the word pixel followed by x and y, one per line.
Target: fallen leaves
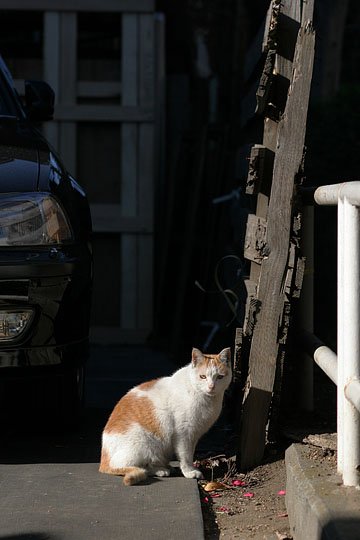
pixel 238 483
pixel 223 510
pixel 282 536
pixel 215 486
pixel 243 502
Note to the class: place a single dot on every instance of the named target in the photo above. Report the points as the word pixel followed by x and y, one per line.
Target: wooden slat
pixel 269 16
pixel 289 9
pixel 264 347
pixel 255 247
pixel 103 113
pixel 160 102
pixel 146 61
pixel 85 89
pixel 260 170
pixel 108 218
pixel 145 244
pixel 98 89
pixel 131 6
pixel 145 285
pixel 52 68
pixel 289 24
pixel 67 89
pixel 146 171
pixel 109 334
pixel 68 58
pixel 129 64
pixel 129 172
pixel 307 12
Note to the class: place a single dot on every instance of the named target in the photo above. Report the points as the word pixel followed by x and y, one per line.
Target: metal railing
pixel 344 369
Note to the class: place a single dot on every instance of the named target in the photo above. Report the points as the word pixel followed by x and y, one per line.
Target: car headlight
pixel 13 323
pixel 29 219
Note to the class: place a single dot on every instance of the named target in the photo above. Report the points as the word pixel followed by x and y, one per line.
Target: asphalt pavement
pixel 50 487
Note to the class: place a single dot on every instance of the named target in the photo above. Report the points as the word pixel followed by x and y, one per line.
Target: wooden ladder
pixel 273 232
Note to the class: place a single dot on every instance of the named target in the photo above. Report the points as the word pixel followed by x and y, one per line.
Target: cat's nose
pixel 211 386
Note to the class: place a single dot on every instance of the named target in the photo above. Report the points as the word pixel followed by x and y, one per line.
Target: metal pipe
pixel 340 338
pixel 347 197
pixel 351 335
pixel 329 195
pixel 352 393
pixel 327 360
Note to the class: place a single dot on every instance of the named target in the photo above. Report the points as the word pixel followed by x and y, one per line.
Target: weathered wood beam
pixel 131 6
pixel 271 293
pixel 260 170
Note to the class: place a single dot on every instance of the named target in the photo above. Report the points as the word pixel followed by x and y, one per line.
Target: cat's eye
pixel 202 376
pixel 220 376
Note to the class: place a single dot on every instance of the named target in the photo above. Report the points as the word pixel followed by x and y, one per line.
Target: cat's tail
pixel 132 475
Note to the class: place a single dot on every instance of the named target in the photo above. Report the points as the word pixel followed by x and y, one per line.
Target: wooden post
pixel 276 272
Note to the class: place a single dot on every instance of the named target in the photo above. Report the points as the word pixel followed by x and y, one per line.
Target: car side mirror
pixel 39 100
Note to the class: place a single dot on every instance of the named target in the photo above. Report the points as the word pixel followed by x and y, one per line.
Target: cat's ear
pixel 196 356
pixel 225 356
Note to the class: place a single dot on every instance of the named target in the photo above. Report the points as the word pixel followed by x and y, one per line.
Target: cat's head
pixel 211 373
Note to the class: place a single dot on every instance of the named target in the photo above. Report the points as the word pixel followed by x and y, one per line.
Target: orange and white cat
pixel 163 417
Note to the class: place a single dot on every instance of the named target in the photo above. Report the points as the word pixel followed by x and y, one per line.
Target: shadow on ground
pixel 34 443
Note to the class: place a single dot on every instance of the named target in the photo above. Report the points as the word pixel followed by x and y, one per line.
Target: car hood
pixel 19 157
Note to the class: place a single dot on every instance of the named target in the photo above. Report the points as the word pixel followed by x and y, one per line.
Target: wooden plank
pixel 113 334
pixel 145 286
pixel 146 171
pixel 237 355
pixel 129 249
pixel 289 25
pixel 52 51
pixel 160 147
pixel 129 171
pixel 289 9
pixel 103 113
pixel 268 23
pixel 67 87
pixel 98 89
pixel 265 82
pixel 260 170
pixel 264 347
pixel 52 68
pixel 146 61
pixel 255 244
pixel 68 60
pixel 252 307
pixel 108 218
pixel 145 243
pixel 307 11
pixel 116 6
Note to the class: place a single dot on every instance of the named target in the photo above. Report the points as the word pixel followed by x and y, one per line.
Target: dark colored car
pixel 45 261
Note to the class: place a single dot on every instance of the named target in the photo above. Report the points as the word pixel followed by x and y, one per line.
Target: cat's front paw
pixel 193 473
pixel 162 471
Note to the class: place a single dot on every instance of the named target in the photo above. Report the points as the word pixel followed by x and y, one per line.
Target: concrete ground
pixel 319 506
pixel 50 488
